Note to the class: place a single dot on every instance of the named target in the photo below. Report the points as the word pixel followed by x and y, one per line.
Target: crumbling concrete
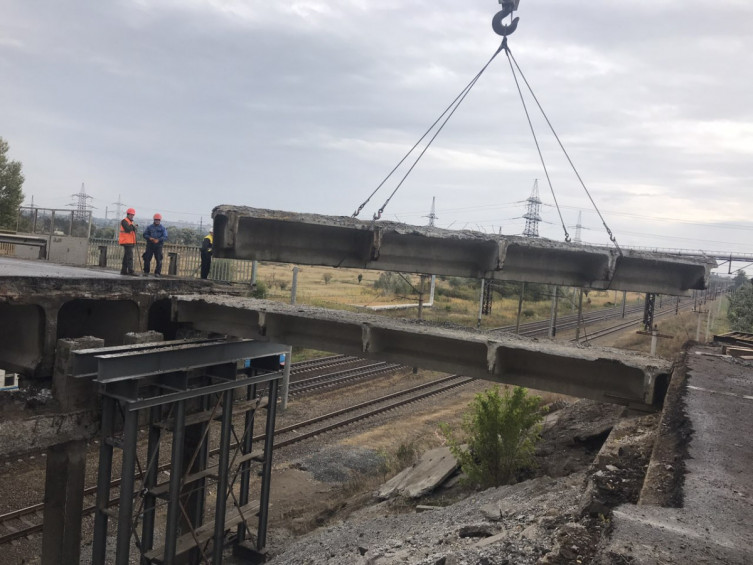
pixel 42 302
pixel 310 239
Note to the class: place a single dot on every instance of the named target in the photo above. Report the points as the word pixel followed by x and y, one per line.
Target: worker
pixel 155 235
pixel 127 240
pixel 206 254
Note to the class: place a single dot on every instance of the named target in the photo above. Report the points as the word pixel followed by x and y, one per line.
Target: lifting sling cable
pixel 535 139
pixel 451 109
pixel 612 238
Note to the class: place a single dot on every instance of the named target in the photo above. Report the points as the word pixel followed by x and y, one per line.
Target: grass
pixel 340 289
pixel 681 328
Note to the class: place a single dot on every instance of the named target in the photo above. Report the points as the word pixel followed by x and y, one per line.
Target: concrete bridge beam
pixel 311 239
pixel 601 374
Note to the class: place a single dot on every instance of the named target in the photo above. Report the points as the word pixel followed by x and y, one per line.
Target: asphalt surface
pixel 12 267
pixel 715 524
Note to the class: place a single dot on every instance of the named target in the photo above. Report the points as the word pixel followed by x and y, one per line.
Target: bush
pixel 740 310
pixel 501 434
pixel 261 290
pixel 393 283
pixel 326 277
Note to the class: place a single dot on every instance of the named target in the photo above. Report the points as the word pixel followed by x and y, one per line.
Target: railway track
pixel 27 521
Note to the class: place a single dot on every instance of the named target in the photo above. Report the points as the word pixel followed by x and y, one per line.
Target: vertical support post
pixel 553 315
pixel 677 306
pixel 64 499
pixel 103 256
pixel 294 285
pixel 176 476
pixel 172 264
pixel 286 379
pixel 698 328
pixel 245 468
pixel 480 304
pixel 580 314
pixel 222 477
pixel 127 479
pixel 266 474
pixel 49 236
pixel 150 481
pixel 70 225
pixel 708 323
pixel 654 339
pixel 520 306
pixel 422 279
pixel 99 541
pixel 432 286
pixel 254 266
pixel 195 457
pixel 624 302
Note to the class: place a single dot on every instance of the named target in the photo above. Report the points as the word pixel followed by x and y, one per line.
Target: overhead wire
pixel 451 108
pixel 535 139
pixel 612 238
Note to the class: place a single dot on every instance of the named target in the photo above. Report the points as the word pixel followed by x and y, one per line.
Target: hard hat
pixel 158 216
pixel 131 211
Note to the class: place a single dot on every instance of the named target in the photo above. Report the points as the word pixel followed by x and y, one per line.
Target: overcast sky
pixel 176 106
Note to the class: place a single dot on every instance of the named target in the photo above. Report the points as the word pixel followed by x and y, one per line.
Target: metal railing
pixel 179 260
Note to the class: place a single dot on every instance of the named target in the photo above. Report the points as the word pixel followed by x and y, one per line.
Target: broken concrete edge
pixel 629 378
pixel 360 245
pixel 25 290
pixel 22 437
pixel 665 475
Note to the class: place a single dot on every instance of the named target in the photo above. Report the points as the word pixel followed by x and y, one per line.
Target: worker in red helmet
pixel 127 240
pixel 155 235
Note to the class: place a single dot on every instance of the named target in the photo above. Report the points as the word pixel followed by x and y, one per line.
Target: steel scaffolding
pixel 200 399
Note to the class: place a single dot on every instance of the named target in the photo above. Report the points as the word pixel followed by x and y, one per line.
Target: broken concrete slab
pixel 607 375
pixel 241 232
pixel 432 469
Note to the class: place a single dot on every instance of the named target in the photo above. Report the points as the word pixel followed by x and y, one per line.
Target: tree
pixel 740 279
pixel 11 181
pixel 740 311
pixel 501 434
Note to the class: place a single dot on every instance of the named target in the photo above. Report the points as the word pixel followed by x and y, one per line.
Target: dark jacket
pixel 206 244
pixel 157 232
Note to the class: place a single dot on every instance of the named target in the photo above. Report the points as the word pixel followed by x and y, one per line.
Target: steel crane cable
pixel 535 140
pixel 451 109
pixel 512 60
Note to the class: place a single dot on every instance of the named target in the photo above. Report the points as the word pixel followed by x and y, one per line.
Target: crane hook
pixel 508 7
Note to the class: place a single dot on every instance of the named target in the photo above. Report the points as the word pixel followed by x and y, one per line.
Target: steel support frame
pixel 127 400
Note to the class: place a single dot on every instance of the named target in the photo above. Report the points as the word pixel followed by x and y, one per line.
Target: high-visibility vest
pixel 127 238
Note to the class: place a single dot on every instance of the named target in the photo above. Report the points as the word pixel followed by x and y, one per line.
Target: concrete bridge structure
pixel 44 308
pixel 337 241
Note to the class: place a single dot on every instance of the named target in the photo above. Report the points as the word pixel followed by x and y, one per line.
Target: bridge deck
pixel 602 374
pixel 310 239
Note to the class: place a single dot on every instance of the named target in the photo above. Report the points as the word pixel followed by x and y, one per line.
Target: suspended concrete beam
pixel 606 375
pixel 337 241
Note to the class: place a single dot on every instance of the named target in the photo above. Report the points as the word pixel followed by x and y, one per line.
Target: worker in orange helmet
pixel 155 235
pixel 127 240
